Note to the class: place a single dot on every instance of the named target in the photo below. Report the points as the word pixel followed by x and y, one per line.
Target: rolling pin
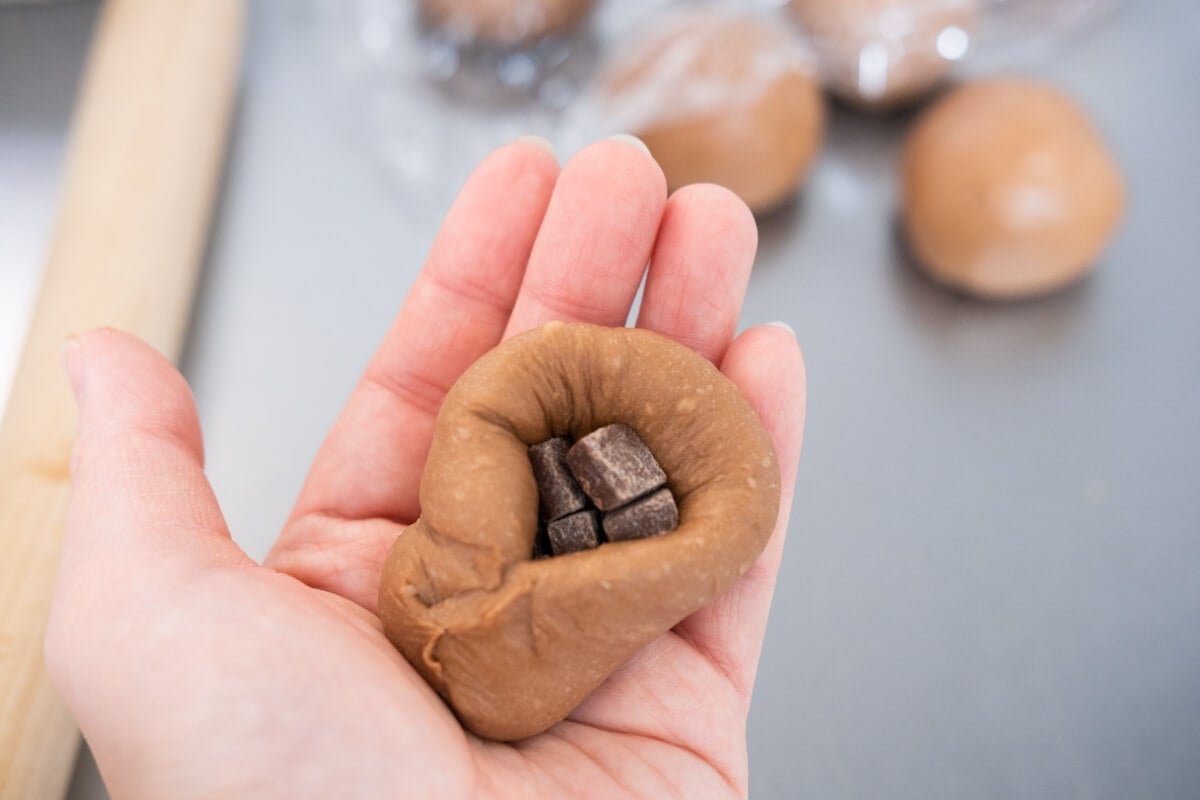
pixel 141 175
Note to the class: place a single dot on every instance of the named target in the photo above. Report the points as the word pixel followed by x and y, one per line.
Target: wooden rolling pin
pixel 141 175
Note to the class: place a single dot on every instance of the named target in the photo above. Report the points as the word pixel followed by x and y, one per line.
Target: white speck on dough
pixel 686 405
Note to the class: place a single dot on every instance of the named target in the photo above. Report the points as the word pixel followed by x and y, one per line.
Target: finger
pixel 699 269
pixel 699 677
pixel 142 518
pixel 369 466
pixel 596 240
pixel 457 309
pixel 766 364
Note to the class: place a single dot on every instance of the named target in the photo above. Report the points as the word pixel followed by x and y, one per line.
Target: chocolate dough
pixel 513 644
pixel 1008 190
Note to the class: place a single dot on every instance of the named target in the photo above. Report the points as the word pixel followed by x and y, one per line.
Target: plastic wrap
pixel 502 22
pixel 883 53
pixel 719 94
pixel 563 82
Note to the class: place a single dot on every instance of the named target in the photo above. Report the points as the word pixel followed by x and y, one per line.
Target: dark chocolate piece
pixel 614 466
pixel 579 531
pixel 558 493
pixel 541 543
pixel 653 515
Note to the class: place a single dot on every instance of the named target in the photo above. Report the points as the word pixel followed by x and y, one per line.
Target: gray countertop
pixel 992 581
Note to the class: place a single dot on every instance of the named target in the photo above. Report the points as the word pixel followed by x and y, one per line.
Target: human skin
pixel 195 672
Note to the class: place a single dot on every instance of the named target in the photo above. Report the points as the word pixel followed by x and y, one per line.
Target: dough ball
pixel 1008 191
pixel 879 54
pixel 503 22
pixel 722 98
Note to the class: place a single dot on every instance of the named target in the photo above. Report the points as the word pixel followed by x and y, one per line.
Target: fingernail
pixel 541 142
pixel 73 359
pixel 781 324
pixel 632 140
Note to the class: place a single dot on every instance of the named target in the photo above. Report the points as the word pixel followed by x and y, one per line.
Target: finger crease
pixel 470 291
pixel 410 388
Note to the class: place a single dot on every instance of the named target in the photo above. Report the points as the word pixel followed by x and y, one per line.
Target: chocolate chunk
pixel 541 543
pixel 558 493
pixel 614 466
pixel 653 515
pixel 579 531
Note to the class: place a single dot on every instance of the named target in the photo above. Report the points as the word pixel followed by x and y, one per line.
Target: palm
pixel 287 660
pixel 384 714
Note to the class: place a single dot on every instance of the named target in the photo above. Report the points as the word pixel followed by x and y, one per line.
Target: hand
pixel 195 672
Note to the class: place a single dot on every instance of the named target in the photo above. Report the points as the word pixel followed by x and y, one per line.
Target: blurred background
pixel 992 580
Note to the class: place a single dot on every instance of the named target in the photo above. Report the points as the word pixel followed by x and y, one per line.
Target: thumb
pixel 142 518
pixel 767 365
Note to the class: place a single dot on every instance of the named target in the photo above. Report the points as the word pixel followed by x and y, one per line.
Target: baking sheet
pixel 993 577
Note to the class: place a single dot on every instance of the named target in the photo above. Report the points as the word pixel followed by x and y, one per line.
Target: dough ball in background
pixel 502 22
pixel 719 97
pixel 1008 190
pixel 880 54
